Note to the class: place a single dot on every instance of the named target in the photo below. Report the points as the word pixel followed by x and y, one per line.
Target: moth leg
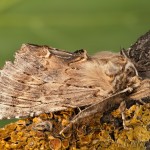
pixel 122 108
pixel 69 126
pixel 99 107
pixel 79 109
pixel 141 101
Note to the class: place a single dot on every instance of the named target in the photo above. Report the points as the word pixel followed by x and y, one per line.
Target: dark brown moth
pixel 44 79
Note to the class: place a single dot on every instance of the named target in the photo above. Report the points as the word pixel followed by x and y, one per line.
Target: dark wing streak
pixel 18 101
pixel 14 106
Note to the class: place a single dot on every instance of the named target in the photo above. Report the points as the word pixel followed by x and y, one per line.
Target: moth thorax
pixel 130 69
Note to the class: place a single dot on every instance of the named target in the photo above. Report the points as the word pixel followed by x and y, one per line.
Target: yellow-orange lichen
pixel 90 133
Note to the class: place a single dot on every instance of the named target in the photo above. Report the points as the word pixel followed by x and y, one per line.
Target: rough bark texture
pixel 78 90
pixel 139 54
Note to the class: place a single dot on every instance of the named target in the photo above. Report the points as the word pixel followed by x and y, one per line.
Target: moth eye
pixel 90 86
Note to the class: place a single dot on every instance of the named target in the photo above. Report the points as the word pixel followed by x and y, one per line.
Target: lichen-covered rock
pixel 96 132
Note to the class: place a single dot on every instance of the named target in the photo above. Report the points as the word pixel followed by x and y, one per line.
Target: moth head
pixel 122 72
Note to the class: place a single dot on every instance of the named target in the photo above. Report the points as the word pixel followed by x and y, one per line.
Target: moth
pixel 43 79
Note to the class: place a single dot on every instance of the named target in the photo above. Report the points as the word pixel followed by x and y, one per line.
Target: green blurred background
pixel 71 24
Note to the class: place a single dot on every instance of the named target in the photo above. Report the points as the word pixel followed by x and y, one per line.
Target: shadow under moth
pixel 43 79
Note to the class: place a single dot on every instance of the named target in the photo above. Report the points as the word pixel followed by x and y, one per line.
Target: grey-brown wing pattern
pixel 44 79
pixel 37 82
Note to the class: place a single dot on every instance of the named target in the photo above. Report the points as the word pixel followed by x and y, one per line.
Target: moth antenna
pixel 122 108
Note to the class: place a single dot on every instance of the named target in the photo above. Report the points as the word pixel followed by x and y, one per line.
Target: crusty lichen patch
pixel 96 132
